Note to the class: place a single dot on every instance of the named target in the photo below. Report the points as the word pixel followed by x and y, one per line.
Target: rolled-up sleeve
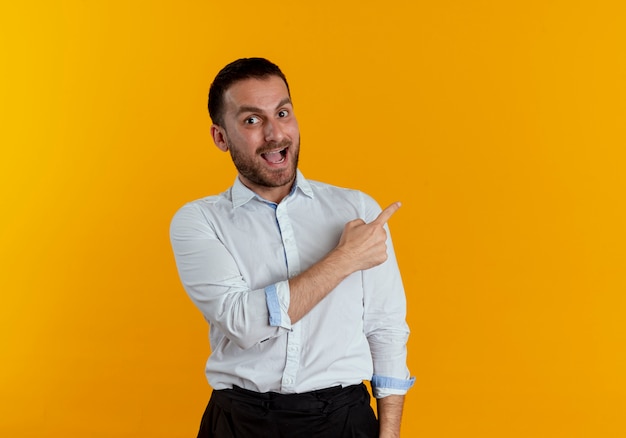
pixel 277 297
pixel 213 281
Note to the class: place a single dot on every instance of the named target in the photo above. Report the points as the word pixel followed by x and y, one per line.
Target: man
pixel 297 280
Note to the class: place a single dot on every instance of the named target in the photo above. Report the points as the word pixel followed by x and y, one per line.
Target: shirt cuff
pixel 383 386
pixel 277 298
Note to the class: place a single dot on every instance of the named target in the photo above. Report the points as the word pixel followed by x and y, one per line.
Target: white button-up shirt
pixel 235 253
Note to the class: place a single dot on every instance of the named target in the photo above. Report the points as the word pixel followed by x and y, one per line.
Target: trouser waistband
pixel 324 400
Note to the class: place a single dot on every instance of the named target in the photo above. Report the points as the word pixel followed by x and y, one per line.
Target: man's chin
pixel 283 181
pixel 272 179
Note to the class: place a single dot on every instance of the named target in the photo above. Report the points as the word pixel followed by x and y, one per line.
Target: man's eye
pixel 251 120
pixel 283 113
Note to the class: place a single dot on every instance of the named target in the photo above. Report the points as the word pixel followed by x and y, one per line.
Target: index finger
pixel 386 214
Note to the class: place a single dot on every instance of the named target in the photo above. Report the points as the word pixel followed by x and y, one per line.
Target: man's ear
pixel 219 137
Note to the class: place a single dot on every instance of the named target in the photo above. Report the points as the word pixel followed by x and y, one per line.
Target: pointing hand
pixel 365 244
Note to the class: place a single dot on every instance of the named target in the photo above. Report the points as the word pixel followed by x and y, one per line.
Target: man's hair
pixel 244 68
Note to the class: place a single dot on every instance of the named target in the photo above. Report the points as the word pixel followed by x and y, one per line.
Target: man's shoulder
pixel 338 198
pixel 326 189
pixel 201 206
pixel 209 200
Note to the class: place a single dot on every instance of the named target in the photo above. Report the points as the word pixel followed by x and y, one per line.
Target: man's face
pixel 261 132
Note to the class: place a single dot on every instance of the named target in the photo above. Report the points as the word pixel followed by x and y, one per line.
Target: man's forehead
pixel 256 91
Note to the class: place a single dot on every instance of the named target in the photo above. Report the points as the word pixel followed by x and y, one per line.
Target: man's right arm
pixel 214 282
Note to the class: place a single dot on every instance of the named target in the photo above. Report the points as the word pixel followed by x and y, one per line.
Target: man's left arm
pixel 387 334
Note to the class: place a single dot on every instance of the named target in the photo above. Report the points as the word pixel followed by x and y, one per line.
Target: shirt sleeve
pixel 385 319
pixel 213 281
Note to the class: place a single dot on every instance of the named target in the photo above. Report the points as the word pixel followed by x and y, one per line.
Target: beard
pixel 251 167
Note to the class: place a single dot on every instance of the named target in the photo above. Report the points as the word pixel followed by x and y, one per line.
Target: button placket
pixel 289 240
pixel 292 362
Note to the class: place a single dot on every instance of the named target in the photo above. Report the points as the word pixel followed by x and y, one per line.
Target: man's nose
pixel 273 131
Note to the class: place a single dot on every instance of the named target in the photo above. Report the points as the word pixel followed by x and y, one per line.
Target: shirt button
pixel 288 381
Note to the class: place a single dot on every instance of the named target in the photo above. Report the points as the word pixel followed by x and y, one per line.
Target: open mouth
pixel 276 156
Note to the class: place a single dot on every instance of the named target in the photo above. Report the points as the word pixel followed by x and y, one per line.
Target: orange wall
pixel 500 125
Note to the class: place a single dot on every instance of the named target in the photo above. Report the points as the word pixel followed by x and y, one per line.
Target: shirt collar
pixel 242 194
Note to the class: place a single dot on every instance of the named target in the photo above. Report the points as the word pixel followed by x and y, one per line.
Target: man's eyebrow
pixel 254 109
pixel 285 101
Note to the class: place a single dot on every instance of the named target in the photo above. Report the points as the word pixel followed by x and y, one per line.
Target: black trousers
pixel 328 413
